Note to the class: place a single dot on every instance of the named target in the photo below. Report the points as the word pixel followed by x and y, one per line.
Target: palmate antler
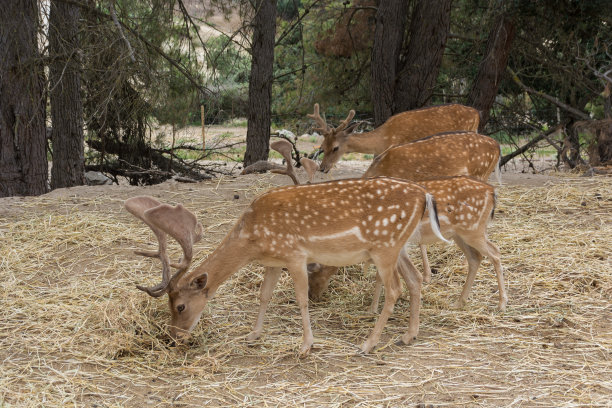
pixel 163 219
pixel 310 166
pixel 284 148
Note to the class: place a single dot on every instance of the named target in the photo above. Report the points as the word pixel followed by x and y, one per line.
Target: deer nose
pixel 179 335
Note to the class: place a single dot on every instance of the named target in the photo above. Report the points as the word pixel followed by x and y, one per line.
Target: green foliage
pixel 229 75
pixel 288 9
pixel 303 75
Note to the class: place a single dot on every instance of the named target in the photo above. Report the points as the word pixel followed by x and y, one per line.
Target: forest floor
pixel 74 330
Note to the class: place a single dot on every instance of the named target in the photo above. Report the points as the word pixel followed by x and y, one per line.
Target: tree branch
pixel 116 21
pixel 505 159
pixel 549 98
pixel 156 49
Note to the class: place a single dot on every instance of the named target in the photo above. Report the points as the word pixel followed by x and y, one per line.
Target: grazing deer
pixel 445 154
pixel 398 129
pixel 467 203
pixel 465 207
pixel 351 221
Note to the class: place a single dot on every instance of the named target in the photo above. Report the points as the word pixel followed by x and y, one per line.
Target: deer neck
pixel 367 142
pixel 231 255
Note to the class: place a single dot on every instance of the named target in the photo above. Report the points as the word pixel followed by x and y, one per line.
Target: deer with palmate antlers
pixel 398 129
pixel 351 221
pixel 466 204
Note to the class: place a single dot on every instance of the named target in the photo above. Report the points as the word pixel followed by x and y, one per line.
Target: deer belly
pixel 339 258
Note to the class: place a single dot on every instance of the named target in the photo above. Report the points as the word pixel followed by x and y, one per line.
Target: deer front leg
pixel 271 276
pixel 299 273
pixel 392 292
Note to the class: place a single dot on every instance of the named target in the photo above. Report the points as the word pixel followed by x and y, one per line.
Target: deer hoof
pixel 305 350
pixel 254 335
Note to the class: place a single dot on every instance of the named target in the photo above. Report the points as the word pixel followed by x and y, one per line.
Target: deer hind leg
pixel 299 273
pixel 426 268
pixel 488 249
pixel 392 292
pixel 474 258
pixel 414 281
pixel 495 257
pixel 376 296
pixel 271 276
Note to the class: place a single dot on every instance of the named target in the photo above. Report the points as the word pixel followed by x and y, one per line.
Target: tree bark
pixel 260 82
pixel 492 67
pixel 23 159
pixel 391 19
pixel 429 30
pixel 66 105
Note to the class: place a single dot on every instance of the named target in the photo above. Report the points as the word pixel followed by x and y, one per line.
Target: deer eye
pixel 180 308
pixel 335 149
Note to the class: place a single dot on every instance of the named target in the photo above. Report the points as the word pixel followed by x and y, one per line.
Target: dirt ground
pixel 74 331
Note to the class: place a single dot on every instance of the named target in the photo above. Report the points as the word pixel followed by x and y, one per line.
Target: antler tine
pixel 346 121
pixel 285 148
pixel 310 166
pixel 319 120
pixel 164 219
pixel 137 206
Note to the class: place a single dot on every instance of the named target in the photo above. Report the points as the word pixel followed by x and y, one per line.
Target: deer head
pixel 334 143
pixel 180 224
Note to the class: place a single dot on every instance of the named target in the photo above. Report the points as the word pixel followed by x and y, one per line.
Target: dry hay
pixel 75 331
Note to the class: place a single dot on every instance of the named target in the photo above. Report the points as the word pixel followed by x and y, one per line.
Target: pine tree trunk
pixel 429 28
pixel 260 82
pixel 23 159
pixel 492 68
pixel 66 106
pixel 391 19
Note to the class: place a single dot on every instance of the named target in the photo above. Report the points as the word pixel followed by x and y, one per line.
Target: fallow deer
pixel 398 129
pixel 465 207
pixel 468 201
pixel 351 221
pixel 442 155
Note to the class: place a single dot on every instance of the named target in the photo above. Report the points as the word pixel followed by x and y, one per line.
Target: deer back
pixel 465 206
pixel 448 154
pixel 348 215
pixel 419 123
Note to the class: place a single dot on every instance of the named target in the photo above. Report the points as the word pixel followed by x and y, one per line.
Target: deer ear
pixel 199 282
